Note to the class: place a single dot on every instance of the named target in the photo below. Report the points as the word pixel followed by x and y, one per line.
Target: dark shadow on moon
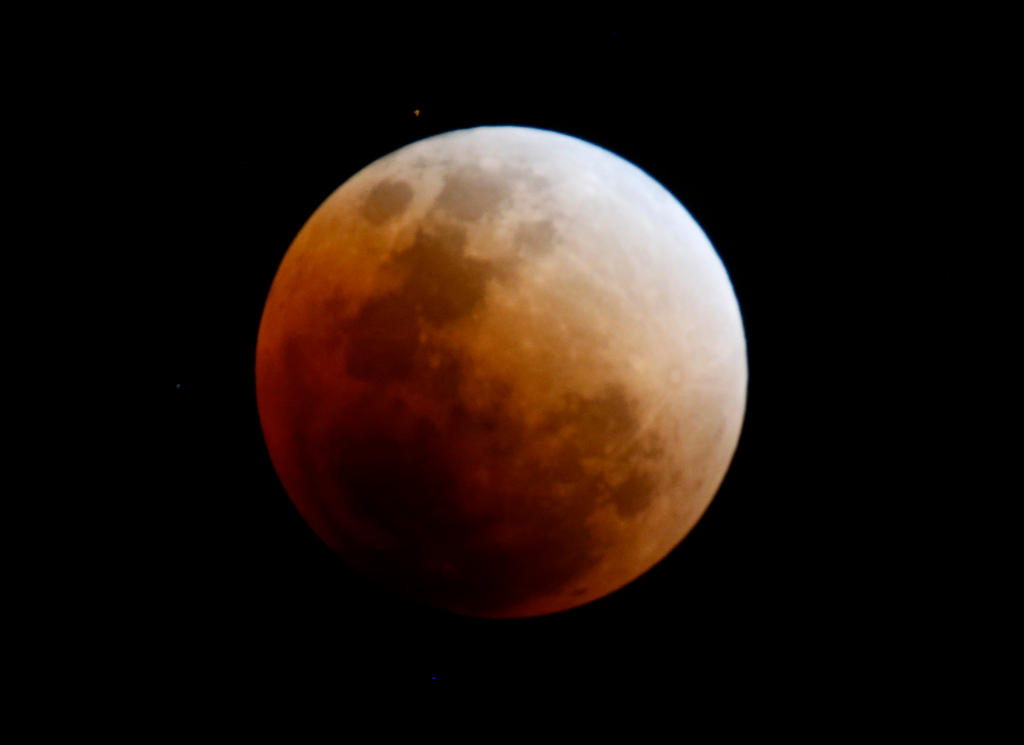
pixel 387 200
pixel 470 192
pixel 535 237
pixel 441 284
pixel 382 340
pixel 441 281
pixel 453 542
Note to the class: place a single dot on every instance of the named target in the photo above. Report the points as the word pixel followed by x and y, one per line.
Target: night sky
pixel 243 147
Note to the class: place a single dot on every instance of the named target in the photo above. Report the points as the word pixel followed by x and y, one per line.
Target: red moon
pixel 501 371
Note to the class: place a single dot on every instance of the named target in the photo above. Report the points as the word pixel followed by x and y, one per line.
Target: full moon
pixel 502 371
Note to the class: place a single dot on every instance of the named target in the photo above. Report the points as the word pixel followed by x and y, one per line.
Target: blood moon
pixel 501 370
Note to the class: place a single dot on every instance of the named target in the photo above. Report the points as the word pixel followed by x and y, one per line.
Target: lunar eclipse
pixel 502 371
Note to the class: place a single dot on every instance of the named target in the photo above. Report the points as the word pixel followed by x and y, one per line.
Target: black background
pixel 236 147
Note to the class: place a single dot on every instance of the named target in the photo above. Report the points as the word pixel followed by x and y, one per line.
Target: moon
pixel 502 371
